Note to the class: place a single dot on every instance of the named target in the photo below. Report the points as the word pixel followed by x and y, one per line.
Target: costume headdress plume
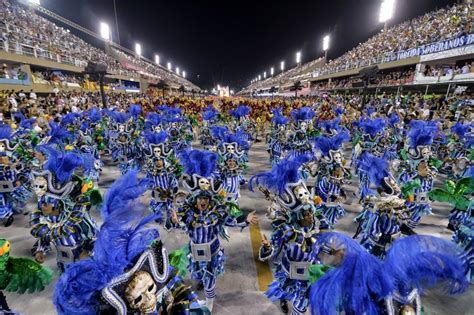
pixel 278 118
pixel 135 110
pixel 62 165
pixel 156 138
pixel 303 113
pixel 372 126
pixel 326 144
pixel 422 132
pixel 240 111
pixel 210 113
pixel 122 237
pixel 202 163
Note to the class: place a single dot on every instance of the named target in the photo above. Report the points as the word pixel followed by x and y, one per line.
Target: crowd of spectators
pixel 431 27
pixel 12 72
pixel 447 70
pixel 23 31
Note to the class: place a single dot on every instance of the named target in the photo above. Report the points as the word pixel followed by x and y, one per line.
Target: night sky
pixel 231 42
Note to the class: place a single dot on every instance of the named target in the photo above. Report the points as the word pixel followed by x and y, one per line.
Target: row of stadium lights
pixel 386 12
pixel 106 35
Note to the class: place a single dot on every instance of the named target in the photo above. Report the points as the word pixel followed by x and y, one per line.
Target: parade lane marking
pixel 264 273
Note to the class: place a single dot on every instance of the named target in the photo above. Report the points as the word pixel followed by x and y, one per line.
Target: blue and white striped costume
pixel 420 206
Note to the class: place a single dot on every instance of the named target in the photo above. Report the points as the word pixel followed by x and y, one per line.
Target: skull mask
pixel 230 149
pixel 121 128
pixel 157 128
pixel 426 153
pixel 204 184
pixel 302 194
pixel 304 125
pixel 40 186
pixel 2 147
pixel 157 151
pixel 174 125
pixel 141 293
pixel 337 157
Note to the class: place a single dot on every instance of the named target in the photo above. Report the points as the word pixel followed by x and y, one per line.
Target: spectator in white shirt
pixel 466 68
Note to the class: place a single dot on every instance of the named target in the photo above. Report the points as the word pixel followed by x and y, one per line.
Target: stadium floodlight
pixel 264 74
pixel 104 31
pixel 157 59
pixel 169 66
pixel 298 57
pixel 177 70
pixel 259 77
pixel 326 43
pixel 138 49
pixel 282 66
pixel 218 87
pixel 231 91
pixel 184 74
pixel 386 10
pixel 35 2
pixel 272 71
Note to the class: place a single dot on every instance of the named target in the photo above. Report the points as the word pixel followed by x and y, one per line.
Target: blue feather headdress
pixel 135 110
pixel 422 261
pixel 240 111
pixel 372 127
pixel 357 286
pixel 329 126
pixel 202 163
pixel 174 111
pixel 5 131
pixel 278 118
pixel 162 108
pixel 376 169
pixel 302 114
pixel 119 117
pixel 285 172
pixel 152 120
pixel 57 134
pixel 219 132
pixel 122 238
pixel 69 119
pixel 210 113
pixel 339 111
pixel 94 115
pixel 62 165
pixel 238 137
pixel 328 144
pixel 422 132
pixel 460 129
pixel 393 119
pixel 156 138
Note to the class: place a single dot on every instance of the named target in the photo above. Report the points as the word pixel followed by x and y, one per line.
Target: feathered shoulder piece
pixel 329 126
pixel 56 133
pixel 202 163
pixel 421 262
pixel 62 165
pixel 240 111
pixel 334 143
pixel 156 138
pixel 372 127
pixel 122 238
pixel 303 113
pixel 174 111
pixel 153 119
pixel 284 173
pixel 422 132
pixel 357 285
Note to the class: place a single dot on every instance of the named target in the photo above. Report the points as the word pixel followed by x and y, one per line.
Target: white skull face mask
pixel 156 151
pixel 337 158
pixel 141 293
pixel 426 153
pixel 204 184
pixel 2 147
pixel 304 125
pixel 121 128
pixel 40 186
pixel 302 194
pixel 157 128
pixel 174 125
pixel 230 149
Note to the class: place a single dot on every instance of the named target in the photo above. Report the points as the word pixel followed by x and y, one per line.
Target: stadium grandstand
pixel 434 50
pixel 30 40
